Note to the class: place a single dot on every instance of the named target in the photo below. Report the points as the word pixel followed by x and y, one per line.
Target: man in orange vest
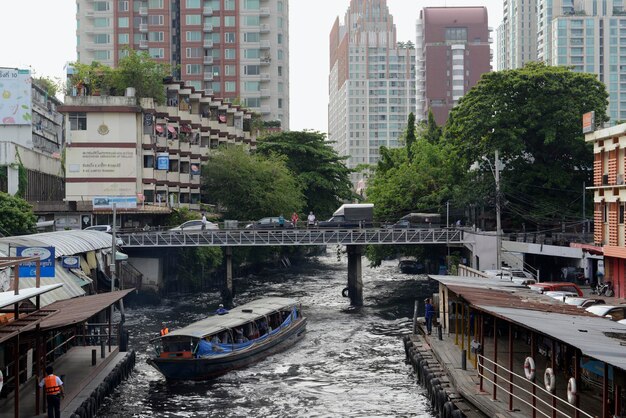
pixel 164 329
pixel 54 391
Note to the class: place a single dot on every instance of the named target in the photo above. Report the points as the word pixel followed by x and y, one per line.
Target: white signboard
pixel 15 97
pixel 101 163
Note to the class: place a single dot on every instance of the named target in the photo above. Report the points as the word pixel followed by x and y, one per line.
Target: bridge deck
pixel 279 237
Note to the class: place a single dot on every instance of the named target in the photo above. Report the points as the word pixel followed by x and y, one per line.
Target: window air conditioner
pixel 620 179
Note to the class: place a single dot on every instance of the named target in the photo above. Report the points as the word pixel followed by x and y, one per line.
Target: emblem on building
pixel 103 129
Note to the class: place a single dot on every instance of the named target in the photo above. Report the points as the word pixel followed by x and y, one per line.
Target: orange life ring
pixel 549 380
pixel 529 368
pixel 571 391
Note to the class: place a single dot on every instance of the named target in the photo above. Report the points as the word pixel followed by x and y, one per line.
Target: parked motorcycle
pixel 605 289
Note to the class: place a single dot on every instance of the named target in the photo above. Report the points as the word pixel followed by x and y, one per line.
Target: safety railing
pixel 498 378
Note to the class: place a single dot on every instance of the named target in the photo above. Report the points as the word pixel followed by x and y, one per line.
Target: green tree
pixel 319 171
pixel 433 132
pixel 410 135
pixel 17 216
pixel 532 116
pixel 51 86
pixel 248 186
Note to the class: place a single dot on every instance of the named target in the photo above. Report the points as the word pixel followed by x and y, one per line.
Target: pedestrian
pixel 203 221
pixel 294 219
pixel 310 220
pixel 429 312
pixel 221 310
pixel 164 329
pixel 281 221
pixel 53 386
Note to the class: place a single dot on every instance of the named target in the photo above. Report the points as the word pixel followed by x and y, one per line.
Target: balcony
pixel 264 11
pixel 143 11
pixel 264 28
pixel 265 92
pixel 208 60
pixel 208 27
pixel 208 76
pixel 265 44
pixel 143 44
pixel 207 11
pixel 143 27
pixel 208 43
pixel 265 76
pixel 265 110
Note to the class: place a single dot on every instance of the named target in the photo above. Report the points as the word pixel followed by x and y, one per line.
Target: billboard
pixel 110 163
pixel 121 202
pixel 45 254
pixel 589 123
pixel 15 97
pixel 163 161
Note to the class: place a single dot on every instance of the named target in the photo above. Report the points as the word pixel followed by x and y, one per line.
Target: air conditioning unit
pixel 620 179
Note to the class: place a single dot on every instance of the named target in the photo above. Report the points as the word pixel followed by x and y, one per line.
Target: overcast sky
pixel 41 35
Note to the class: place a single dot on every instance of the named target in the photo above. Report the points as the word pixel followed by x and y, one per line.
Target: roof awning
pixel 159 128
pixel 9 297
pixel 76 310
pixel 591 249
pixel 171 129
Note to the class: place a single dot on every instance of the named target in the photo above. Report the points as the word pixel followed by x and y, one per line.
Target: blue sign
pixel 163 161
pixel 121 202
pixel 45 254
pixel 71 262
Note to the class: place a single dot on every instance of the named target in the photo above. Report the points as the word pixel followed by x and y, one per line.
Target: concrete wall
pixel 152 270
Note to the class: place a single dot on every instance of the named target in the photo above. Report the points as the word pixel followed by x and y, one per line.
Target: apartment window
pixel 122 6
pixel 229 21
pixel 280 87
pixel 279 6
pixel 215 70
pixel 156 52
pixel 193 19
pixel 279 22
pixel 230 70
pixel 148 161
pixel 251 37
pixel 78 121
pixel 155 36
pixel 101 22
pixel 230 86
pixel 251 4
pixel 155 4
pixel 123 53
pixel 193 4
pixel 194 52
pixel 251 20
pixel 213 4
pixel 251 53
pixel 251 86
pixel 193 69
pixel 196 84
pixel 216 87
pixel 229 37
pixel 456 34
pixel 229 4
pixel 280 70
pixel 280 103
pixel 123 22
pixel 605 211
pixel 229 54
pixel 101 6
pixel 252 102
pixel 123 38
pixel 280 54
pixel 251 70
pixel 622 207
pixel 280 38
pixel 102 38
pixel 102 55
pixel 193 36
pixel 216 53
pixel 156 20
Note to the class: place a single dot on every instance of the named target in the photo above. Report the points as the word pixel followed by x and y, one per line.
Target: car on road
pixel 270 222
pixel 101 228
pixel 562 296
pixel 556 287
pixel 615 312
pixel 516 276
pixel 194 225
pixel 584 302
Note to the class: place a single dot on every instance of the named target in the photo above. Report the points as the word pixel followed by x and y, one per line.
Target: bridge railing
pixel 299 237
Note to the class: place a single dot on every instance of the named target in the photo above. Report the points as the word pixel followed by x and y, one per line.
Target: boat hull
pixel 411 267
pixel 212 367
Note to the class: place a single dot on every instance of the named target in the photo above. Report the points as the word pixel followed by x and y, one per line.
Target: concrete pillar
pixel 227 292
pixel 13 179
pixel 355 276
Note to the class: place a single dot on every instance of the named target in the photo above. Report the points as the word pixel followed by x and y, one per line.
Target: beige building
pixel 144 157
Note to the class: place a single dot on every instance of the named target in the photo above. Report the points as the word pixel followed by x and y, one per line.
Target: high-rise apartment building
pixel 518 35
pixel 232 49
pixel 453 51
pixel 371 83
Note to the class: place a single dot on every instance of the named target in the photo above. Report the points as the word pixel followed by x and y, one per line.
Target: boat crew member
pixel 221 310
pixel 54 391
pixel 164 329
pixel 429 312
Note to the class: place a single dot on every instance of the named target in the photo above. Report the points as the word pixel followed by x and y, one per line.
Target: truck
pixel 351 215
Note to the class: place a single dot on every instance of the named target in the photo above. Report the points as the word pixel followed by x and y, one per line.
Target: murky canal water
pixel 348 365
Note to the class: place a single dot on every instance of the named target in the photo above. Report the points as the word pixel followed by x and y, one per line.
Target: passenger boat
pixel 410 266
pixel 220 343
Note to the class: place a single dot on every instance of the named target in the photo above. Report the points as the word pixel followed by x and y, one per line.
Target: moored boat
pixel 220 343
pixel 410 266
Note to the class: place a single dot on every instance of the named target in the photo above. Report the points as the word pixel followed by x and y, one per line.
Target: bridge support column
pixel 355 277
pixel 227 291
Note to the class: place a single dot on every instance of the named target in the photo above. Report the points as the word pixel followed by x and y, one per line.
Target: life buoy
pixel 571 391
pixel 344 292
pixel 1 380
pixel 549 380
pixel 529 368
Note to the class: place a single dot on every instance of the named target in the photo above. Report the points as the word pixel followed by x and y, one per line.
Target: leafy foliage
pixel 410 135
pixel 17 216
pixel 52 87
pixel 319 171
pixel 248 186
pixel 540 141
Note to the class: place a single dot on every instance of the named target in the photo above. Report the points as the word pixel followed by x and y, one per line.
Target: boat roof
pixel 235 317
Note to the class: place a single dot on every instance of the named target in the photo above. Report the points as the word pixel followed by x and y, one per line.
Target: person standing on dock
pixel 429 312
pixel 54 391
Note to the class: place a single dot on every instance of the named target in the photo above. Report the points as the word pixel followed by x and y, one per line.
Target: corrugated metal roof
pixel 72 311
pixel 596 337
pixel 71 286
pixel 9 297
pixel 64 242
pixel 233 318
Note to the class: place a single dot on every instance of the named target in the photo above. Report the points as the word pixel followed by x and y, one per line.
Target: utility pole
pixel 584 211
pixel 498 224
pixel 113 256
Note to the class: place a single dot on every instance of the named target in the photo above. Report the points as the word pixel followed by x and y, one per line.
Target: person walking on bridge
pixel 54 391
pixel 294 219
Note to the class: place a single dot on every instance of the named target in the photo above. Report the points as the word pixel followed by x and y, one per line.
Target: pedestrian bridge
pixel 299 237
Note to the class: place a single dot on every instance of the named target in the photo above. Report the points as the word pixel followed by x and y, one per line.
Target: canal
pixel 351 363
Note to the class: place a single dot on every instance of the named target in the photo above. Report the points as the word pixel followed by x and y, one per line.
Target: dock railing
pixel 503 379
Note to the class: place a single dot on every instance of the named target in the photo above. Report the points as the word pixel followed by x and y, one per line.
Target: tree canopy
pixel 319 171
pixel 17 216
pixel 247 187
pixel 532 116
